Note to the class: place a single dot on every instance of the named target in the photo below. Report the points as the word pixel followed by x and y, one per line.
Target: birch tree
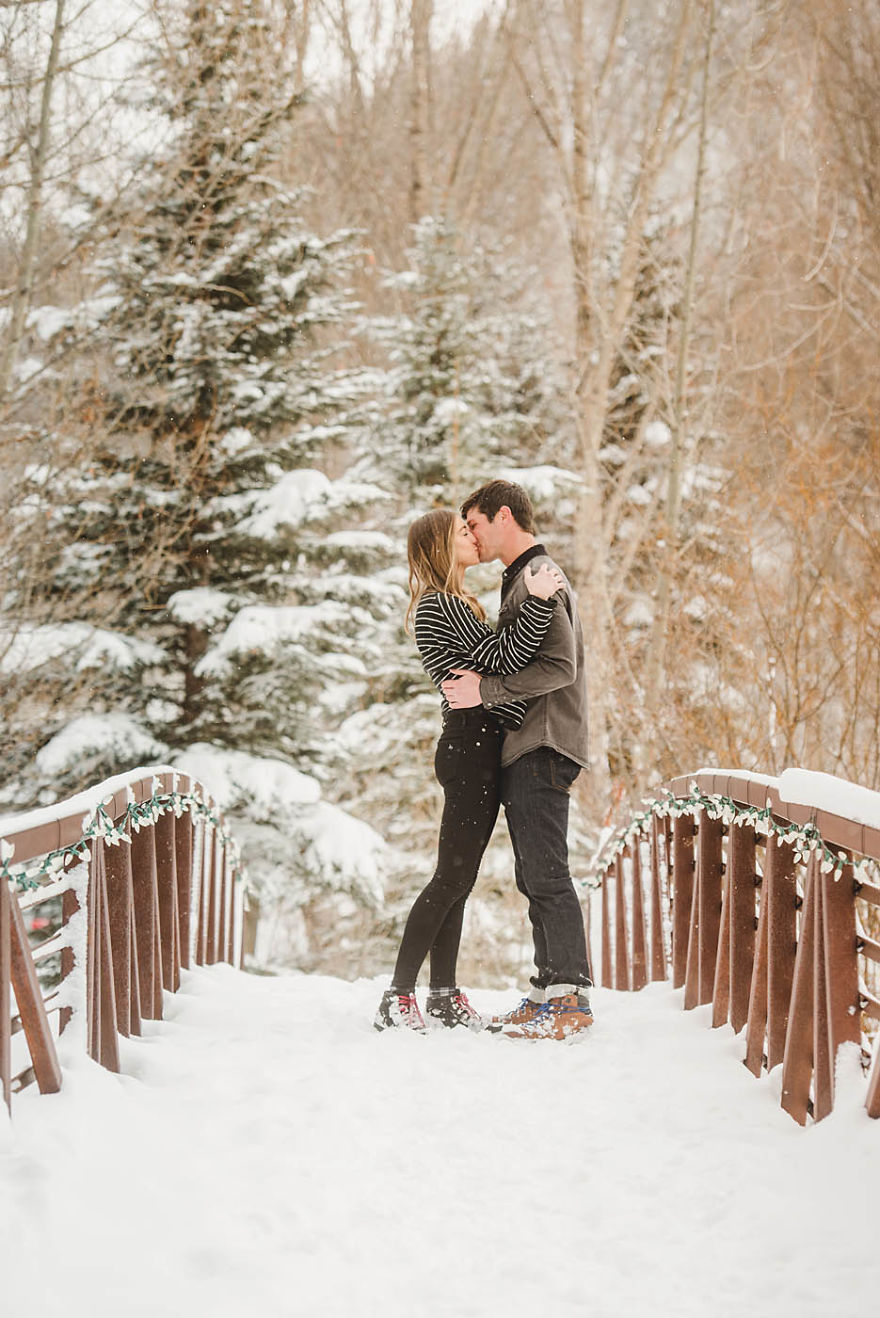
pixel 656 662
pixel 36 148
pixel 612 122
pixel 58 76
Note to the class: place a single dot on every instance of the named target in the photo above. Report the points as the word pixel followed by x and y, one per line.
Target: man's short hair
pixel 502 494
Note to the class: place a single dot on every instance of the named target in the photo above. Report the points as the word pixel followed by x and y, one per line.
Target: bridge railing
pixel 132 881
pixel 765 908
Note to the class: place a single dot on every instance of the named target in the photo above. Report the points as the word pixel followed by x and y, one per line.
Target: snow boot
pixel 526 1010
pixel 450 1007
pixel 398 1011
pixel 559 1018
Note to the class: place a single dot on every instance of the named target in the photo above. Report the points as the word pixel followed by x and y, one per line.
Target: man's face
pixel 485 533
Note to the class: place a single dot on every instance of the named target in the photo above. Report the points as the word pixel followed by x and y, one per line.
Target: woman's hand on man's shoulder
pixel 543 582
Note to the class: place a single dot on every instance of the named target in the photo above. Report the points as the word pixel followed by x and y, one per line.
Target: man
pixel 540 761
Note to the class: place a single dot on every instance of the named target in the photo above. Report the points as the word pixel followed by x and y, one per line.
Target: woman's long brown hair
pixel 430 551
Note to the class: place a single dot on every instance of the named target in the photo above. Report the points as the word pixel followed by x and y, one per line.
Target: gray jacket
pixel 554 683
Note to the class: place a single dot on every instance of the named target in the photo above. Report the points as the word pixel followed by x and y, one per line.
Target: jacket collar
pixel 513 570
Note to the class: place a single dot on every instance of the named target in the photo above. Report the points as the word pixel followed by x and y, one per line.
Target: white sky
pixel 105 37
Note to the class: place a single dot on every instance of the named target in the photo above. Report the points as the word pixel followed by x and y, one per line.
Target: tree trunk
pixel 21 295
pixel 591 568
pixel 601 332
pixel 420 29
pixel 656 662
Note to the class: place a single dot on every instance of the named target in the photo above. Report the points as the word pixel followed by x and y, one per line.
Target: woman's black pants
pixel 468 768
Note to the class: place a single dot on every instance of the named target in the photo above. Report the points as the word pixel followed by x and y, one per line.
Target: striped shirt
pixel 448 635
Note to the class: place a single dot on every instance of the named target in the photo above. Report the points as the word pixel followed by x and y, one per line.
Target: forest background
pixel 278 276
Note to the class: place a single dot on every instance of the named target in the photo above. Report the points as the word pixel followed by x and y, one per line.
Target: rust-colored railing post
pixel 797 1061
pixel 692 963
pixel 658 949
pixel 135 977
pixel 117 875
pixel 183 841
pixel 31 1009
pixel 69 908
pixel 176 951
pixel 773 971
pixel 146 915
pixel 682 894
pixel 823 1060
pixel 232 926
pixel 102 1036
pixel 639 977
pixel 621 940
pixel 5 995
pixel 707 907
pixel 607 977
pixel 206 891
pixel 841 966
pixel 213 900
pixel 93 1001
pixel 872 1102
pixel 588 928
pixel 166 888
pixel 780 894
pixel 757 1019
pixel 741 896
pixel 721 988
pixel 222 906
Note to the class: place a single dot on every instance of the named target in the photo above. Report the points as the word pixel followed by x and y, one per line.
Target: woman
pixel 451 632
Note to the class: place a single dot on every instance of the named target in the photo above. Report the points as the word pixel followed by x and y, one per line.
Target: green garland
pixel 805 838
pixel 98 824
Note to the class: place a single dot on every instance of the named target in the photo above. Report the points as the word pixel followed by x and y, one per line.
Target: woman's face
pixel 464 544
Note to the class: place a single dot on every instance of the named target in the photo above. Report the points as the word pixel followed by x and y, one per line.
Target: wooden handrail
pixel 759 902
pixel 154 874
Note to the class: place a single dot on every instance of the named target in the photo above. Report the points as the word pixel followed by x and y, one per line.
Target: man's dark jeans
pixel 535 793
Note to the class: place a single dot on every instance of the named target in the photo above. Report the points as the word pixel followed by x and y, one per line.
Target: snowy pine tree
pixel 467 387
pixel 200 609
pixel 468 393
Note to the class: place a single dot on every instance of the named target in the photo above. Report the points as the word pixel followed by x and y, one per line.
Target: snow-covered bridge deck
pixel 264 1151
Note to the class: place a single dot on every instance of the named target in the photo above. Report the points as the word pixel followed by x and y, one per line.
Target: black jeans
pixel 535 791
pixel 468 768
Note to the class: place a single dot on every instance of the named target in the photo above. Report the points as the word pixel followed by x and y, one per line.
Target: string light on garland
pixel 98 824
pixel 805 839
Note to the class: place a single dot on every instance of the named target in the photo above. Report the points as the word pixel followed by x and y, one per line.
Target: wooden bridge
pixel 766 909
pixel 148 880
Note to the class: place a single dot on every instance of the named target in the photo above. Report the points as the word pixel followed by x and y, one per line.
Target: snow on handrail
pixel 816 808
pixel 55 828
pixel 73 807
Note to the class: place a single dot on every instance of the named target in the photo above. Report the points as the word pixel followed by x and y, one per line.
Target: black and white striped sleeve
pixel 513 647
pixel 449 636
pixel 506 651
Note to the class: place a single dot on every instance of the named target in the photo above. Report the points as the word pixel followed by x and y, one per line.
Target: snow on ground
pixel 267 1152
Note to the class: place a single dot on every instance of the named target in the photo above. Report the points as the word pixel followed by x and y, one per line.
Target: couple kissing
pixel 514 733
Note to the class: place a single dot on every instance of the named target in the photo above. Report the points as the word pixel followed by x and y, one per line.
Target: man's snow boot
pixel 559 1018
pixel 525 1011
